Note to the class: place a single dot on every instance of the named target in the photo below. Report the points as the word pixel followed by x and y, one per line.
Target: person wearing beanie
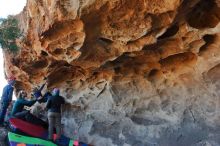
pixel 54 113
pixel 18 107
pixel 18 110
pixel 6 98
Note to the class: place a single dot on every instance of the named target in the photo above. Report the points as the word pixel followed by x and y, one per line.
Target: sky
pixel 8 7
pixel 11 7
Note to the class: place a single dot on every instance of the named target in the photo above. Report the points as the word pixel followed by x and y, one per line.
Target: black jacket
pixel 54 103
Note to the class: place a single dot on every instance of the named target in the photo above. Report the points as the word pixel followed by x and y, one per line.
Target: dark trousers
pixel 21 115
pixel 3 111
pixel 54 122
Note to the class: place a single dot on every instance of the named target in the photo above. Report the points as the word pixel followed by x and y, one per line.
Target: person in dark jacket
pixel 18 107
pixel 6 98
pixel 54 113
pixel 18 110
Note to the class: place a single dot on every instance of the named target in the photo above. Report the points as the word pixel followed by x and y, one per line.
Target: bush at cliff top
pixel 9 32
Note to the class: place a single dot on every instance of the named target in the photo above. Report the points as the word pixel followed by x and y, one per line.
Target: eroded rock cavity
pixel 140 72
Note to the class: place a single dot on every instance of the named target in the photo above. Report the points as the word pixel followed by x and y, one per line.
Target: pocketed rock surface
pixel 134 72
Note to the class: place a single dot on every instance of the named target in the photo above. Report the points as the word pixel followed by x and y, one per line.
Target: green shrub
pixel 9 32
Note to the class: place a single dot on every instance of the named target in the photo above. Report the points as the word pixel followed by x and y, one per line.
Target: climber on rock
pixel 6 98
pixel 36 93
pixel 18 107
pixel 54 113
pixel 18 110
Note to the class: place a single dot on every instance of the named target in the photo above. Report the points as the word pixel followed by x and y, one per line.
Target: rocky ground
pixel 3 136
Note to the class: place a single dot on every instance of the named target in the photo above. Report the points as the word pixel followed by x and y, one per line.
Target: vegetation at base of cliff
pixel 9 32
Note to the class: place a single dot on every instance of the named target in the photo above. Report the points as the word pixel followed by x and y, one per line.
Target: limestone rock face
pixel 134 72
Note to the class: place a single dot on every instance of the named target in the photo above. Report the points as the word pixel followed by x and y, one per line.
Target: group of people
pixel 53 104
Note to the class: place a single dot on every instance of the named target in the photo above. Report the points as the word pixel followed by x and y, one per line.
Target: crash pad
pixel 20 140
pixel 39 132
pixel 28 128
